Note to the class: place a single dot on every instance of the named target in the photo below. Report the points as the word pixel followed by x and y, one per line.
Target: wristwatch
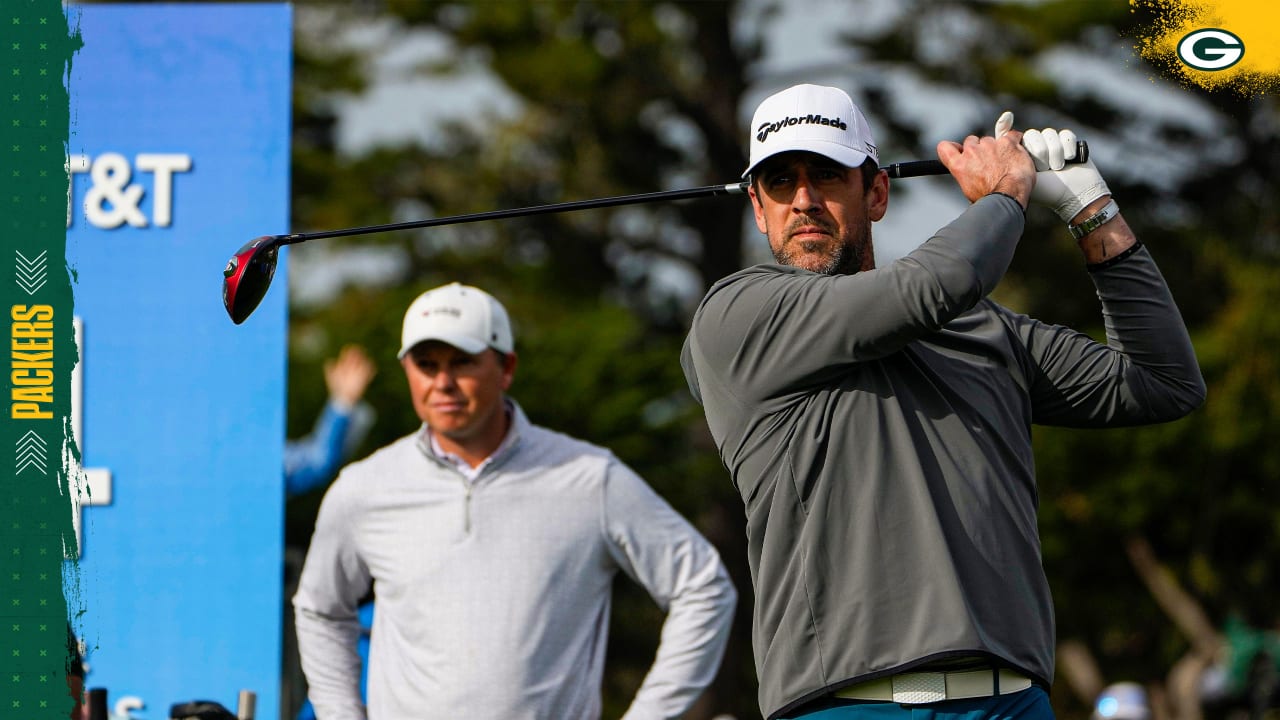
pixel 1095 221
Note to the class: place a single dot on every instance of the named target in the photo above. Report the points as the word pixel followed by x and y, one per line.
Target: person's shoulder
pixel 563 447
pixel 988 308
pixel 756 273
pixel 391 452
pixel 729 289
pixel 985 316
pixel 381 463
pixel 577 462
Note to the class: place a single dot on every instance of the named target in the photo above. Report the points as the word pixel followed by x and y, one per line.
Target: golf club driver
pixel 248 273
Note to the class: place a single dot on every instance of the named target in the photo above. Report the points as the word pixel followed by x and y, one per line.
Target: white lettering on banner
pixel 163 166
pixel 88 486
pixel 112 200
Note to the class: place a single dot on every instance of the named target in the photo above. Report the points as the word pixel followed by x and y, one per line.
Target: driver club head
pixel 247 276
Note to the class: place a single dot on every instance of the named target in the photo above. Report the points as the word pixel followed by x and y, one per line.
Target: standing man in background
pixel 877 421
pixel 492 544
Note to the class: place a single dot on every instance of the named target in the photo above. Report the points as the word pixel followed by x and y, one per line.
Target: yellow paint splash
pixel 1255 22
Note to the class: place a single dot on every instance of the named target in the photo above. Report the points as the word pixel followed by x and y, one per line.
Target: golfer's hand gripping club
pixel 1066 182
pixel 922 168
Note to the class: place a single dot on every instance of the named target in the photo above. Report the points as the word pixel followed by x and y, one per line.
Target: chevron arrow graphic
pixel 33 443
pixel 31 451
pixel 31 273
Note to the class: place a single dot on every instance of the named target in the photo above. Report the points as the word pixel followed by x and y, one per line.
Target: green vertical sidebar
pixel 37 453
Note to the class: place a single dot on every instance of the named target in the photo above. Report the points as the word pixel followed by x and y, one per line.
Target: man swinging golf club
pixel 877 421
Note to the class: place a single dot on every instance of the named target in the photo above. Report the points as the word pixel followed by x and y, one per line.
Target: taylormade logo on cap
pixel 762 132
pixel 811 118
pixel 465 317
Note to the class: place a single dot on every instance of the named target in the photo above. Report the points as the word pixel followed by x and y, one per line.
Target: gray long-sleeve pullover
pixel 878 428
pixel 493 597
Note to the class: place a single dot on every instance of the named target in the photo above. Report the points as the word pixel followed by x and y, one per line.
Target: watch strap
pixel 1095 221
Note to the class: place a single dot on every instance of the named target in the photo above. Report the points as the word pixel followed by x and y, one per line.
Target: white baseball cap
pixel 815 118
pixel 467 318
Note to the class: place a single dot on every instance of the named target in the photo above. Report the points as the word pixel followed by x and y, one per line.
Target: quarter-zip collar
pixel 429 447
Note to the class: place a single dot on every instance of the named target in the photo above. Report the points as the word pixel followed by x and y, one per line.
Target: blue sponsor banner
pixel 178 154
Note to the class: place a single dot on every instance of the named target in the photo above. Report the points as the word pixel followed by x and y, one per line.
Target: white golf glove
pixel 1066 189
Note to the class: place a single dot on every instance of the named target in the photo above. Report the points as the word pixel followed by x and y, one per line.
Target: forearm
pixel 1107 241
pixel 1146 372
pixel 683 574
pixel 327 648
pixel 691 648
pixel 334 578
pixel 969 256
pixel 1142 321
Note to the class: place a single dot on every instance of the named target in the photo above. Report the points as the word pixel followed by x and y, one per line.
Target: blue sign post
pixel 178 154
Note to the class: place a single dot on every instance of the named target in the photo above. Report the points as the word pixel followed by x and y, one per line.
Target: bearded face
pixel 816 213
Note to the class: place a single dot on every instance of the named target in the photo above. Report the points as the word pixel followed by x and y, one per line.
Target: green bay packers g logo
pixel 1210 49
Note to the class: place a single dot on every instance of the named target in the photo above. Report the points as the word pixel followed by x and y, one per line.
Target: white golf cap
pixel 814 118
pixel 467 318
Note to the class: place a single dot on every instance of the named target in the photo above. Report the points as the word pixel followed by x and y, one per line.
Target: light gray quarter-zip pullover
pixel 493 596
